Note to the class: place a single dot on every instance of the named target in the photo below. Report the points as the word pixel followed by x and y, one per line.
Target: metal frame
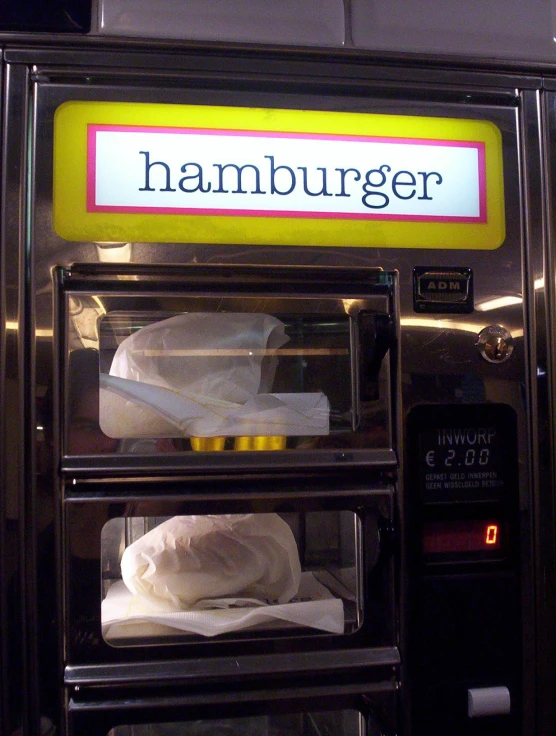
pixel 545 497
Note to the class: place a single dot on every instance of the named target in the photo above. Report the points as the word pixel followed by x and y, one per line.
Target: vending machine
pixel 275 371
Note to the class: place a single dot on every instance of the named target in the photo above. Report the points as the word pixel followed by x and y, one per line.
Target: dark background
pixel 45 15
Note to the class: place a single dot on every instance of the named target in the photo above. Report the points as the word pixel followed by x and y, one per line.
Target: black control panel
pixel 464 452
pixel 462 511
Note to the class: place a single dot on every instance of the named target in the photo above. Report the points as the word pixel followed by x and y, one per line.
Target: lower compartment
pixel 335 710
pixel 187 572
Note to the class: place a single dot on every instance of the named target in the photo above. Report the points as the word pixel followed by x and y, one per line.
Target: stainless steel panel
pixel 18 432
pixel 439 360
pixel 545 507
pixel 6 564
pixel 308 23
pixel 480 28
pixel 536 287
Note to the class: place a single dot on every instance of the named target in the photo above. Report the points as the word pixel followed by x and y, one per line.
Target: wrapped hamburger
pixel 189 559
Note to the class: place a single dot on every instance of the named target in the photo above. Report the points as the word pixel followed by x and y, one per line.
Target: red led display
pixel 476 535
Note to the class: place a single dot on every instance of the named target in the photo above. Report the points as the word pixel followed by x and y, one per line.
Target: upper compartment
pixel 254 365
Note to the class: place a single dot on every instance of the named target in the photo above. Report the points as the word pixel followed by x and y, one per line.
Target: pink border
pixel 92 130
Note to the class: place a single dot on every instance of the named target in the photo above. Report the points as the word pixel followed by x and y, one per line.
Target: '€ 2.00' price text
pixel 454 459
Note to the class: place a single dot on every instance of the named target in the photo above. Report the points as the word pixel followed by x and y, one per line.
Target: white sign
pixel 259 173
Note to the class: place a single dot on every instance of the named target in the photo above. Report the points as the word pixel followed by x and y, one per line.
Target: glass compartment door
pixel 245 368
pixel 327 723
pixel 214 574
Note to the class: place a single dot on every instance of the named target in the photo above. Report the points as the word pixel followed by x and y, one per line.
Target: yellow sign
pixel 135 172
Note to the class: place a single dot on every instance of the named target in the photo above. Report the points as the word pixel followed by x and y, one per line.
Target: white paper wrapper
pixel 205 375
pixel 211 354
pixel 123 615
pixel 190 558
pixel 133 409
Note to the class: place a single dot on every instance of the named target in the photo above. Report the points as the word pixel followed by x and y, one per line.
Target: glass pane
pixel 169 373
pixel 184 576
pixel 326 723
pixel 225 375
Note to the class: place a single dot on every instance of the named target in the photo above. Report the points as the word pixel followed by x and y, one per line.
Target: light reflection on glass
pixel 503 301
pixel 446 324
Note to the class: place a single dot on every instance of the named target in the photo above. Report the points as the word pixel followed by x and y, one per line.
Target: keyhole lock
pixel 495 344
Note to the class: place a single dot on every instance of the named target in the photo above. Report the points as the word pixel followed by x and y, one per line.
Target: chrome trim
pixel 17 475
pixel 285 692
pixel 94 465
pixel 27 48
pixel 362 688
pixel 215 669
pixel 545 501
pixel 535 278
pixel 109 488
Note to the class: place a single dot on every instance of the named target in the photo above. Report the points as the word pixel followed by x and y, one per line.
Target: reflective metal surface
pixel 544 432
pixel 20 501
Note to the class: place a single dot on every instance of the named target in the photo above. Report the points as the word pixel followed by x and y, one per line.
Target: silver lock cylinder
pixel 495 344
